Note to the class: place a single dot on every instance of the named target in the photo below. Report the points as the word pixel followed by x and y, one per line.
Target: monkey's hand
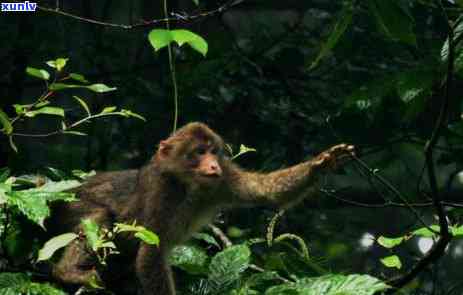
pixel 334 157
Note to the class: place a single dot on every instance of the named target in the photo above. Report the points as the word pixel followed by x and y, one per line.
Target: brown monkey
pixel 185 184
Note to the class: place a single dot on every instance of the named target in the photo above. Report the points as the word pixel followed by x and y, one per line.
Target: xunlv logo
pixel 19 6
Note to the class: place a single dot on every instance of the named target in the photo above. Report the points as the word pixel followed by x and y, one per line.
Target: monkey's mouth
pixel 209 176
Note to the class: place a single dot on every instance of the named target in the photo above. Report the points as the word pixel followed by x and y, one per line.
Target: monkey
pixel 187 181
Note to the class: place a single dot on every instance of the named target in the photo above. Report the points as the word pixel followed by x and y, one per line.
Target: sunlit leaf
pixel 83 104
pixel 392 261
pixel 100 88
pixel 148 237
pixel 58 63
pixel 92 232
pixel 160 38
pixel 38 73
pixel 54 244
pixel 389 242
pixel 129 113
pixel 425 232
pixel 46 111
pixel 107 110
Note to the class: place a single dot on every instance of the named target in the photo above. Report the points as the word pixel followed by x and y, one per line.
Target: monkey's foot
pixel 334 156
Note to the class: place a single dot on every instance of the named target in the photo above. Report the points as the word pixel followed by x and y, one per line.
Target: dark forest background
pixel 288 78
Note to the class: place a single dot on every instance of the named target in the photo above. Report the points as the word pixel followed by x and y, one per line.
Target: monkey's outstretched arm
pixel 285 186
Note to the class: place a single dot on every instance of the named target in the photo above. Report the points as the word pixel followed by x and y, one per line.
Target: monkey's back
pixel 102 197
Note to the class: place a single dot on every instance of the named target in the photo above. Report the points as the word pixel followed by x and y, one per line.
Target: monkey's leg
pixel 76 266
pixel 153 272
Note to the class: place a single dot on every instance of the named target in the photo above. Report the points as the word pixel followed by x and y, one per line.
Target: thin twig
pixel 144 23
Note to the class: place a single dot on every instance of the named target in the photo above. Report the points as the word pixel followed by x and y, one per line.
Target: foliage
pixel 20 284
pixel 41 106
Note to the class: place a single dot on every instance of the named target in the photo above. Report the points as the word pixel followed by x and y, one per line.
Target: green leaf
pixel 72 132
pixel 425 232
pixel 4 174
pixel 389 242
pixel 148 237
pixel 58 63
pixel 392 261
pixel 107 110
pixel 38 73
pixel 191 259
pixel 195 41
pixel 32 205
pixel 394 20
pixel 227 266
pixel 92 233
pixel 7 127
pixel 46 111
pixel 100 88
pixel 457 231
pixel 344 20
pixel 141 232
pixel 54 244
pixel 83 104
pixel 207 238
pixel 196 2
pixel 331 285
pixel 78 78
pixel 129 113
pixel 458 31
pixel 160 38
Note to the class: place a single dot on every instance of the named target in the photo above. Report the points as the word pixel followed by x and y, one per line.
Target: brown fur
pixel 184 185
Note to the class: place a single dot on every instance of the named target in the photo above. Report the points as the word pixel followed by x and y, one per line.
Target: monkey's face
pixel 195 159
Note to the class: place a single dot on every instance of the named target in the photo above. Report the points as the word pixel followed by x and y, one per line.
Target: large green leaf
pixel 191 259
pixel 227 266
pixel 394 20
pixel 331 285
pixel 33 202
pixel 32 205
pixel 54 244
pixel 160 38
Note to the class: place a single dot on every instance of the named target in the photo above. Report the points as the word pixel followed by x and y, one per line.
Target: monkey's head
pixel 193 154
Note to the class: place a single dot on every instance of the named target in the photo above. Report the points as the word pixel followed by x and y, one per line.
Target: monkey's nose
pixel 215 170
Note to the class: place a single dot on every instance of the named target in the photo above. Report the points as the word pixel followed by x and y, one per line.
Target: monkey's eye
pixel 215 151
pixel 200 151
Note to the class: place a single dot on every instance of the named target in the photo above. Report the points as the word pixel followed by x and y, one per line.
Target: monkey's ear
pixel 164 148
